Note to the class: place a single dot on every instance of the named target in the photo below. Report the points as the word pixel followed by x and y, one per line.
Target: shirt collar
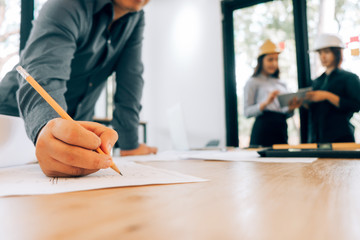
pixel 100 4
pixel 108 4
pixel 335 71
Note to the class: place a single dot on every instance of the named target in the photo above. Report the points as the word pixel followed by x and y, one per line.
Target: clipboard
pixel 284 99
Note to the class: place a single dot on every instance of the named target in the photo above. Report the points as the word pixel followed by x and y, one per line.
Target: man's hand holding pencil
pixel 67 148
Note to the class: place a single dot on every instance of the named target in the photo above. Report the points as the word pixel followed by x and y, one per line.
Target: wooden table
pixel 243 200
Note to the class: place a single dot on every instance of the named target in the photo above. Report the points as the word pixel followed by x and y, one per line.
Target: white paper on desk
pixel 248 156
pixel 165 156
pixel 30 180
pixel 159 157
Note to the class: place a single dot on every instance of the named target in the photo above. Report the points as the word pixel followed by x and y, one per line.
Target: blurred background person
pixel 260 100
pixel 335 96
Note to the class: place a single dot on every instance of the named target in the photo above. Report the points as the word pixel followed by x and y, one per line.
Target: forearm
pixel 333 99
pixel 35 111
pixel 252 111
pixel 126 124
pixel 129 87
pixel 263 106
pixel 251 107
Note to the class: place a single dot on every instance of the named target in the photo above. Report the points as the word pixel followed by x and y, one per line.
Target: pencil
pixel 53 103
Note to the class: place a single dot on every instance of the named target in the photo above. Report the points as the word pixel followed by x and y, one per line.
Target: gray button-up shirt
pixel 71 52
pixel 257 90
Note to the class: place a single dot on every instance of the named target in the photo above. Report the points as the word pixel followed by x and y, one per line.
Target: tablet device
pixel 284 99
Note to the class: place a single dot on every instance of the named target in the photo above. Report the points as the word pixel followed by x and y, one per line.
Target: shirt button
pixel 109 41
pixel 90 84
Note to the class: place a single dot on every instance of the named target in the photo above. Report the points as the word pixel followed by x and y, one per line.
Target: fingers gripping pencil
pixel 53 103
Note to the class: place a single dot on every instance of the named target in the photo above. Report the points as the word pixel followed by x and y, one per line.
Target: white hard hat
pixel 327 40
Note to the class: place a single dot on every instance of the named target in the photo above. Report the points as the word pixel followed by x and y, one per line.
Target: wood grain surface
pixel 242 200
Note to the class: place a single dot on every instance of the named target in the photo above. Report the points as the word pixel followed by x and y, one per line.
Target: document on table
pixel 164 156
pixel 247 156
pixel 30 180
pixel 219 155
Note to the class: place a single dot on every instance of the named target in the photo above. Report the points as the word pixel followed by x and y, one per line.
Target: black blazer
pixel 329 123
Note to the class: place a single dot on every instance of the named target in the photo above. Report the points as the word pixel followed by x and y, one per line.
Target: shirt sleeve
pixel 129 87
pixel 350 101
pixel 47 57
pixel 288 113
pixel 251 107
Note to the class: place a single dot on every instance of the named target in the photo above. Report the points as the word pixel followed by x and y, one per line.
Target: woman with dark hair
pixel 335 96
pixel 261 101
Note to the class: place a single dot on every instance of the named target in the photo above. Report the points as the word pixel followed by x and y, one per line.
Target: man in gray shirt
pixel 73 47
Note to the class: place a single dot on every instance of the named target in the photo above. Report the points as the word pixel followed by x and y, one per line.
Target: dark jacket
pixel 329 123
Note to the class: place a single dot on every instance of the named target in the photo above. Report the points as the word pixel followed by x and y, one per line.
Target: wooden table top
pixel 242 200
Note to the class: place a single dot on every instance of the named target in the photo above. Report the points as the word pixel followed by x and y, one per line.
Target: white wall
pixel 183 61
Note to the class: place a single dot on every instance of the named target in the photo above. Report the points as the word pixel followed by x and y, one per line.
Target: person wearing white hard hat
pixel 335 96
pixel 261 101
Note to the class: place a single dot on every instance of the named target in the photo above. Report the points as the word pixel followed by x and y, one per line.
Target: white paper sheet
pixel 30 180
pixel 170 155
pixel 248 156
pixel 218 155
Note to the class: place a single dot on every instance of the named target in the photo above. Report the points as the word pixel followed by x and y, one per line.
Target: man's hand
pixel 66 148
pixel 141 150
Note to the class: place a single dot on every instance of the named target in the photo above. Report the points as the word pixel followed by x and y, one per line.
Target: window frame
pixel 27 15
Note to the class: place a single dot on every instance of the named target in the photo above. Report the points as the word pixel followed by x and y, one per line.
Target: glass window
pixel 340 17
pixel 252 26
pixel 9 35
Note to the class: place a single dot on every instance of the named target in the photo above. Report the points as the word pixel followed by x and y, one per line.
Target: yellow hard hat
pixel 268 47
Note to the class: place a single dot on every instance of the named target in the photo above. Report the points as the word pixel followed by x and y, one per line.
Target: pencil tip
pixel 116 169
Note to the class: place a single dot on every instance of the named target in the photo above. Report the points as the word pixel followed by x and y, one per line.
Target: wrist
pixel 333 99
pixel 263 106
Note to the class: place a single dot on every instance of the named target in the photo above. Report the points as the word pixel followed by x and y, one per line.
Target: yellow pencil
pixel 53 103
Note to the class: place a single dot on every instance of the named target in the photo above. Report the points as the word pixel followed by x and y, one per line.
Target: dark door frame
pixel 302 58
pixel 27 15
